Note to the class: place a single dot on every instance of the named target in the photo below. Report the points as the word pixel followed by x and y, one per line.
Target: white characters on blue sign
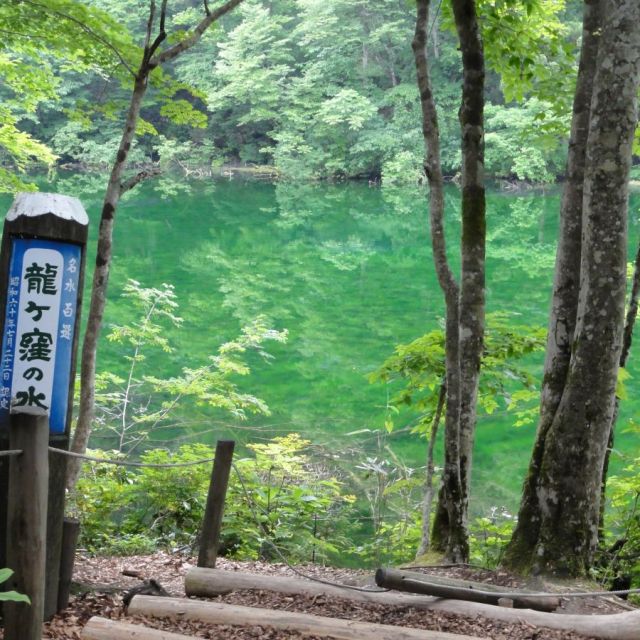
pixel 39 325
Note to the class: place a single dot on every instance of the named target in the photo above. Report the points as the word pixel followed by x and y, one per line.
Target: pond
pixel 347 270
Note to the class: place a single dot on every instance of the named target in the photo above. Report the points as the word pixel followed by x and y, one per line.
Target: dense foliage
pixel 319 89
pixel 282 503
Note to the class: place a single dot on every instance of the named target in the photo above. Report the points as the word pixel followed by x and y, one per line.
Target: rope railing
pixel 10 452
pixel 126 463
pixel 253 507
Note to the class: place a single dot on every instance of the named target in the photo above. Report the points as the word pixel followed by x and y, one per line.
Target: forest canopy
pixel 317 89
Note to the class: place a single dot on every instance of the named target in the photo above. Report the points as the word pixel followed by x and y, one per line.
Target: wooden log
pixel 214 582
pixel 304 623
pixel 442 587
pixel 27 525
pixel 212 521
pixel 103 629
pixel 70 532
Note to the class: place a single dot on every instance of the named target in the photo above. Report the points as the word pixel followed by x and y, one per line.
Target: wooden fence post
pixel 210 534
pixel 70 532
pixel 27 525
pixel 42 259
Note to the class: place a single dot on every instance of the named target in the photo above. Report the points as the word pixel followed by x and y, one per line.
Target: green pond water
pixel 347 270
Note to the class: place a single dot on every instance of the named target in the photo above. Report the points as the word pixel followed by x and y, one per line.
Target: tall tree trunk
pixel 151 58
pixel 464 305
pixel 567 476
pixel 564 302
pixel 100 281
pixel 451 517
pixel 472 291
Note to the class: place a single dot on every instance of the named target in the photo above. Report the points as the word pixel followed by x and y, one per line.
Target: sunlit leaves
pixel 35 32
pixel 132 406
pixel 505 380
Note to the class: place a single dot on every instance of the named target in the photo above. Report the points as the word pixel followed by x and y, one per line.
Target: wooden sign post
pixel 41 278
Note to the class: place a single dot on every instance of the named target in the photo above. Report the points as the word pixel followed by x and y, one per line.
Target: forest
pixel 390 248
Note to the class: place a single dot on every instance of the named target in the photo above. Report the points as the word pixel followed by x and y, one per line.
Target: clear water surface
pixel 347 269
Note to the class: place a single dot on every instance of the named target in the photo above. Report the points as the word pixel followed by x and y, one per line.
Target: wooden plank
pixel 27 525
pixel 212 521
pixel 103 629
pixel 442 587
pixel 304 623
pixel 214 582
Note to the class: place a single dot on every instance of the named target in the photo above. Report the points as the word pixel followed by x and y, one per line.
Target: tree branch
pixel 192 39
pixel 145 174
pixel 162 34
pixel 632 312
pixel 147 36
pixel 85 28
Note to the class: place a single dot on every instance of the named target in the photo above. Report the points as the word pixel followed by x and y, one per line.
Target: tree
pixel 153 57
pixel 464 326
pixel 557 529
pixel 421 365
pixel 80 36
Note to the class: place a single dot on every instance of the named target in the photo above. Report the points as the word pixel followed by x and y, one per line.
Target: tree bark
pixel 564 303
pixel 558 523
pixel 101 280
pixel 451 517
pixel 464 303
pixel 627 338
pixel 472 291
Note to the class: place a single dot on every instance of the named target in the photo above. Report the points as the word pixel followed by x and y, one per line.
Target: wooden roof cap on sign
pixel 37 204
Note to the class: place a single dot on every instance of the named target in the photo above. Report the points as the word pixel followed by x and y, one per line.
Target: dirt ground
pixel 101 586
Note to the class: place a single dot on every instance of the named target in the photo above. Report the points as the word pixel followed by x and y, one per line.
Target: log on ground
pixel 442 587
pixel 104 629
pixel 304 623
pixel 215 582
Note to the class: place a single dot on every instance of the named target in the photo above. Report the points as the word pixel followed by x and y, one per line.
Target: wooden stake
pixel 27 525
pixel 212 522
pixel 70 532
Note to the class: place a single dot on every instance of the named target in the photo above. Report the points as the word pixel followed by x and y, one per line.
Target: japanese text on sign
pixel 39 326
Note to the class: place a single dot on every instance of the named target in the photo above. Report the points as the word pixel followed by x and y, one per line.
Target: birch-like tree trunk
pixel 464 303
pixel 564 302
pixel 152 58
pixel 562 513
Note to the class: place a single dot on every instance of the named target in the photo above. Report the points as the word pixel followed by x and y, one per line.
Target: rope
pixel 251 504
pixel 252 508
pixel 124 463
pixel 511 594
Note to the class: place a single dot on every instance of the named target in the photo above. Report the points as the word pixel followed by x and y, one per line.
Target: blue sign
pixel 39 326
